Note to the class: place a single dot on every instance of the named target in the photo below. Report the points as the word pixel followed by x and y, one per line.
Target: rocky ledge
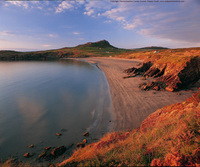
pixel 168 75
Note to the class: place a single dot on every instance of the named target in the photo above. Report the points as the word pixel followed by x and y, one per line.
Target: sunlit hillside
pixel 168 137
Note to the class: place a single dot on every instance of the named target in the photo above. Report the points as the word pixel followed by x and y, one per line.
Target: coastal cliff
pixel 172 70
pixel 168 137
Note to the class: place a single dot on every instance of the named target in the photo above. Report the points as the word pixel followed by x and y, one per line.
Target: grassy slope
pixel 100 48
pixel 170 136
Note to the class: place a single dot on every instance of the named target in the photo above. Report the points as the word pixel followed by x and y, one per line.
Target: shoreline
pixel 130 105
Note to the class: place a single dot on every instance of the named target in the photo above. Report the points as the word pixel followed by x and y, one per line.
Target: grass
pixel 100 49
pixel 170 136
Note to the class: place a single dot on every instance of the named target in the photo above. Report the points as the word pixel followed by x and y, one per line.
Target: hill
pixel 99 48
pixel 150 48
pixel 100 44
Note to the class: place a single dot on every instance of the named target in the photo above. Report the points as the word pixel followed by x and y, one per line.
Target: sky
pixel 42 25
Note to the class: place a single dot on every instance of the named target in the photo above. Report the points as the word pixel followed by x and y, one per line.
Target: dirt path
pixel 130 105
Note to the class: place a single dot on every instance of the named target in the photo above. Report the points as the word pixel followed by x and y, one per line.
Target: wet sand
pixel 130 105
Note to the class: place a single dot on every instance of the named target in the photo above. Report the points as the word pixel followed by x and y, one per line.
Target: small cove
pixel 41 98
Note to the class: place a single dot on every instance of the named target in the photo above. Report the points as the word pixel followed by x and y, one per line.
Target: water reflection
pixel 38 99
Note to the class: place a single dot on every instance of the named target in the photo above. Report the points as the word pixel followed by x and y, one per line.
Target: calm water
pixel 40 99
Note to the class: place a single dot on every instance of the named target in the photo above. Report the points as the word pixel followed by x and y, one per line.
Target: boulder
pixel 58 151
pixel 31 146
pixel 86 134
pixel 47 148
pixel 58 134
pixel 43 154
pixel 80 145
pixel 84 141
pixel 157 88
pixel 27 155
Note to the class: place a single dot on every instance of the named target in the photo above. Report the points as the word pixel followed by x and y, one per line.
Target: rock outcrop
pixel 171 76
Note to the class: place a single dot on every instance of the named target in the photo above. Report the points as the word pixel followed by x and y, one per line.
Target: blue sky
pixel 42 25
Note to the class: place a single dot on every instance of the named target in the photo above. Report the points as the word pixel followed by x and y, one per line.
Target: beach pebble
pixel 31 146
pixel 84 141
pixel 58 134
pixel 42 154
pixel 80 145
pixel 86 134
pixel 47 148
pixel 27 155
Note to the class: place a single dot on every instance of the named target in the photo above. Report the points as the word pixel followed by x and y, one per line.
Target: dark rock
pixel 80 145
pixel 86 134
pixel 58 134
pixel 31 146
pixel 85 141
pixel 71 145
pixel 157 88
pixel 27 155
pixel 43 154
pixel 47 148
pixel 144 87
pixel 129 76
pixel 58 151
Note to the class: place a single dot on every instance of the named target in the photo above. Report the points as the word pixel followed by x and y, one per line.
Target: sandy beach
pixel 130 105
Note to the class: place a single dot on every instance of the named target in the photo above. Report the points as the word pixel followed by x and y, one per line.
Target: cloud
pixel 68 5
pixel 40 5
pixel 46 45
pixel 95 8
pixel 89 12
pixel 108 21
pixel 76 33
pixel 173 21
pixel 6 33
pixel 19 3
pixel 181 25
pixel 3 40
pixel 65 5
pixel 52 35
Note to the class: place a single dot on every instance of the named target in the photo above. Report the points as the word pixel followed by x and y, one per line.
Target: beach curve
pixel 130 105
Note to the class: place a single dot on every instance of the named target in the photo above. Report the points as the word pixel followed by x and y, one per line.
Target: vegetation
pixel 168 137
pixel 100 49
